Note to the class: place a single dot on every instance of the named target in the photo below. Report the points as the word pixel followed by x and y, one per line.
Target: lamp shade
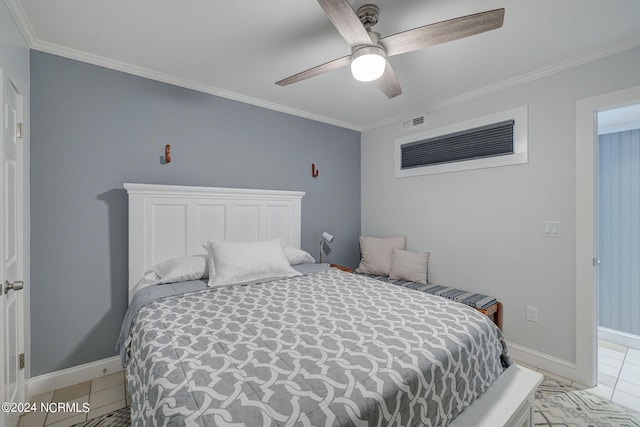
pixel 368 63
pixel 328 237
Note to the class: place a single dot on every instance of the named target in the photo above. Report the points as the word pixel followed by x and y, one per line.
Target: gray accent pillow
pixel 411 266
pixel 375 253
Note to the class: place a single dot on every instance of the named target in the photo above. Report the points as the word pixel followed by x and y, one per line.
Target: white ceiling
pixel 238 49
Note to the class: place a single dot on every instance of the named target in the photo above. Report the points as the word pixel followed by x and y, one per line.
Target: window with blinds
pixel 496 140
pixel 486 141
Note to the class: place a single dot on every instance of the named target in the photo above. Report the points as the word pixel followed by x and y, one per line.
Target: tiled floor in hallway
pixel 619 374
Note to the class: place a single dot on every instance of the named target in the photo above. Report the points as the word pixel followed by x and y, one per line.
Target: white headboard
pixel 167 221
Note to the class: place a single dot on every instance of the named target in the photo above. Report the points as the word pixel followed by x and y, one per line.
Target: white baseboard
pixel 619 337
pixel 543 361
pixel 70 376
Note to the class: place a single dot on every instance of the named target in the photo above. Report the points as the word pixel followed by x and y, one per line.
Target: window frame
pixel 520 145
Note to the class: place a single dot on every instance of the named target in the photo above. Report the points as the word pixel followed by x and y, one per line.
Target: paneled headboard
pixel 167 221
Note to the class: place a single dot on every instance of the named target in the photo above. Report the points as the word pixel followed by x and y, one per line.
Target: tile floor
pixel 618 381
pixel 618 375
pixel 104 395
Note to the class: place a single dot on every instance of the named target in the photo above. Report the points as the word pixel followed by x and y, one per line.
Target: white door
pixel 11 263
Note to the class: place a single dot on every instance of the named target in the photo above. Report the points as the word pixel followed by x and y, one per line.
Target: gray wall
pixel 619 231
pixel 484 227
pixel 94 128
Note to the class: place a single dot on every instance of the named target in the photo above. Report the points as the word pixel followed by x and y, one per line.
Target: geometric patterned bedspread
pixel 323 349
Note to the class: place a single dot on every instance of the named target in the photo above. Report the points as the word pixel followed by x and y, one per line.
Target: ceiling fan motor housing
pixel 368 15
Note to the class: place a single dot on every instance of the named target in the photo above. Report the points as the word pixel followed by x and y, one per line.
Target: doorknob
pixel 16 286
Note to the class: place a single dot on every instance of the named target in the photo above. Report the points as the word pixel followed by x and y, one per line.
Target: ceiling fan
pixel 369 52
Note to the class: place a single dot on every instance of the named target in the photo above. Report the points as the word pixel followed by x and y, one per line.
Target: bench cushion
pixel 469 298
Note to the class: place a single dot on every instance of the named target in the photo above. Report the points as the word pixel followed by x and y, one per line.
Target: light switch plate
pixel 551 228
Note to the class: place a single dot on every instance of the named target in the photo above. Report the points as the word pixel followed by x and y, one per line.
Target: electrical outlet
pixel 532 314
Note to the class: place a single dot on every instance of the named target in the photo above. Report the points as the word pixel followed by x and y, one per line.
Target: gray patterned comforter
pixel 323 349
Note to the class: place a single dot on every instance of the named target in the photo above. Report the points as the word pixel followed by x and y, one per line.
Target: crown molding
pixel 178 81
pixel 34 43
pixel 29 35
pixel 541 73
pixel 20 17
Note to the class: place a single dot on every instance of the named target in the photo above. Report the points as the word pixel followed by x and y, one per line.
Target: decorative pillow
pixel 173 270
pixel 238 262
pixel 180 269
pixel 411 266
pixel 375 253
pixel 298 256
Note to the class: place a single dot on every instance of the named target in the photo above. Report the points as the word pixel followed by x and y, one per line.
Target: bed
pixel 323 347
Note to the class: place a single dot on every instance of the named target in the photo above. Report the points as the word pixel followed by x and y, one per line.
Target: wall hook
pixel 167 153
pixel 314 171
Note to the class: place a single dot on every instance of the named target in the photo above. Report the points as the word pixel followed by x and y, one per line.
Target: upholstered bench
pixel 485 304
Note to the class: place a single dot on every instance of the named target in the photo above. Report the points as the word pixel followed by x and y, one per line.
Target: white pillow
pixel 298 256
pixel 375 253
pixel 411 266
pixel 239 262
pixel 182 268
pixel 177 269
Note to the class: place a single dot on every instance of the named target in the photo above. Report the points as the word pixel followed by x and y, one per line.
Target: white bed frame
pixel 169 220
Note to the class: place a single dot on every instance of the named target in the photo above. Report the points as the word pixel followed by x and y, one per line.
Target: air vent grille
pixel 486 141
pixel 412 123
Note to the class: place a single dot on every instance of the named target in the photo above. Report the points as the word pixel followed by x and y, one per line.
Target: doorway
pixel 618 253
pixel 586 254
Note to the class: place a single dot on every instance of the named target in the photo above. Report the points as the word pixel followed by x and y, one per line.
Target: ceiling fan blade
pixel 389 83
pixel 346 21
pixel 442 32
pixel 320 69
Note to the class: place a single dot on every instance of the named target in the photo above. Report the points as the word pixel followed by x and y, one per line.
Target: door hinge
pixel 22 363
pixel 19 130
pixel 596 262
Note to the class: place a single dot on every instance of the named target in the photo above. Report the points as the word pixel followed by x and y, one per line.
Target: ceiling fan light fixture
pixel 368 63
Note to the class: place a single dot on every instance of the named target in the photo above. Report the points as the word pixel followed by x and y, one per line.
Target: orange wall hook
pixel 314 171
pixel 167 153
